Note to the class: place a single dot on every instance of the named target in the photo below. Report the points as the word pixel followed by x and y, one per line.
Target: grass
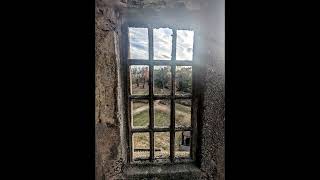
pixel 162 119
pixel 136 104
pixel 180 107
pixel 182 120
pixel 141 119
pixel 139 90
pixel 141 141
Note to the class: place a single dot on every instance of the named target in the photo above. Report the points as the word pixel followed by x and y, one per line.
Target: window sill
pixel 171 171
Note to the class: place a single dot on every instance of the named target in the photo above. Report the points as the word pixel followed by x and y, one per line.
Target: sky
pixel 138 39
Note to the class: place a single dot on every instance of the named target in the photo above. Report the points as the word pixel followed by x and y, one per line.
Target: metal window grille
pixel 151 129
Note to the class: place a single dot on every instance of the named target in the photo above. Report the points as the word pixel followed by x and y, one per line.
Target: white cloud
pixel 184 45
pixel 162 41
pixel 138 42
pixel 138 38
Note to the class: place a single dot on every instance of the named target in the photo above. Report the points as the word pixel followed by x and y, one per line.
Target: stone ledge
pixel 167 171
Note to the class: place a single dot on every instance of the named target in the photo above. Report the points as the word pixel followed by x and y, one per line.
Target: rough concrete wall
pixel 189 4
pixel 109 127
pixel 213 116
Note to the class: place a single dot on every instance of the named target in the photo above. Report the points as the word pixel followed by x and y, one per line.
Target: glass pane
pixel 162 80
pixel 162 144
pixel 141 146
pixel 162 41
pixel 140 113
pixel 184 45
pixel 183 112
pixel 138 43
pixel 183 80
pixel 182 144
pixel 162 113
pixel 139 77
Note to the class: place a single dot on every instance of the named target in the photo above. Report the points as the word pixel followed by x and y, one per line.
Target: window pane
pixel 183 80
pixel 184 45
pixel 162 80
pixel 162 144
pixel 162 41
pixel 183 112
pixel 182 144
pixel 162 113
pixel 139 77
pixel 141 146
pixel 138 43
pixel 140 113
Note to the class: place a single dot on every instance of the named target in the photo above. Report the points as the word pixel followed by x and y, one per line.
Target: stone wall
pixel 110 135
pixel 109 116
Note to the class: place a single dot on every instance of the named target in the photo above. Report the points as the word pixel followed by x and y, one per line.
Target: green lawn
pixel 137 104
pixel 180 107
pixel 162 119
pixel 141 119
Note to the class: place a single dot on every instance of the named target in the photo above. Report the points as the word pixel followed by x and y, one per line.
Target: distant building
pixel 185 141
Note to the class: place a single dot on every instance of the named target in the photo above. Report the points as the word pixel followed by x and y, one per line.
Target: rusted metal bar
pixel 157 97
pixel 135 130
pixel 151 108
pixel 173 85
pixel 139 96
pixel 196 83
pixel 159 62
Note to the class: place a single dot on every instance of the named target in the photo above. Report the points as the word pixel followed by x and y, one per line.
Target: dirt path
pixel 160 107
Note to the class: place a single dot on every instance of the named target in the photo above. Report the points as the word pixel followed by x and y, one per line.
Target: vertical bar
pixel 173 89
pixel 195 100
pixel 151 108
pixel 129 106
pixel 127 91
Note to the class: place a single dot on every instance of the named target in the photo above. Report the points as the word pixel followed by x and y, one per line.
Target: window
pixel 159 93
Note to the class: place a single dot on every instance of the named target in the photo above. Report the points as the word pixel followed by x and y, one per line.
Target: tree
pixel 140 74
pixel 184 79
pixel 161 77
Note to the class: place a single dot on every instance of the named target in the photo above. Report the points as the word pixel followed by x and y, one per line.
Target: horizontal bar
pixel 149 130
pixel 141 159
pixel 138 24
pixel 159 62
pixel 143 150
pixel 135 130
pixel 138 96
pixel 172 97
pixel 156 97
pixel 183 96
pixel 183 129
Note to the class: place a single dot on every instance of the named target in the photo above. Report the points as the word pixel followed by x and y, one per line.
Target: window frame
pixel 194 97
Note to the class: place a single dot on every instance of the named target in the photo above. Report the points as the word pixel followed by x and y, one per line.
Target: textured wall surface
pixel 213 115
pixel 110 137
pixel 109 127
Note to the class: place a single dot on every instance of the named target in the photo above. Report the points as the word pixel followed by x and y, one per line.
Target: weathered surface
pixel 214 94
pixel 179 171
pixel 110 137
pixel 109 127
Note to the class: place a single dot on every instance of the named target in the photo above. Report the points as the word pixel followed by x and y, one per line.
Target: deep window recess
pixel 159 81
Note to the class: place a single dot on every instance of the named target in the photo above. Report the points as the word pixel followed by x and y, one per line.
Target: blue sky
pixel 138 39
